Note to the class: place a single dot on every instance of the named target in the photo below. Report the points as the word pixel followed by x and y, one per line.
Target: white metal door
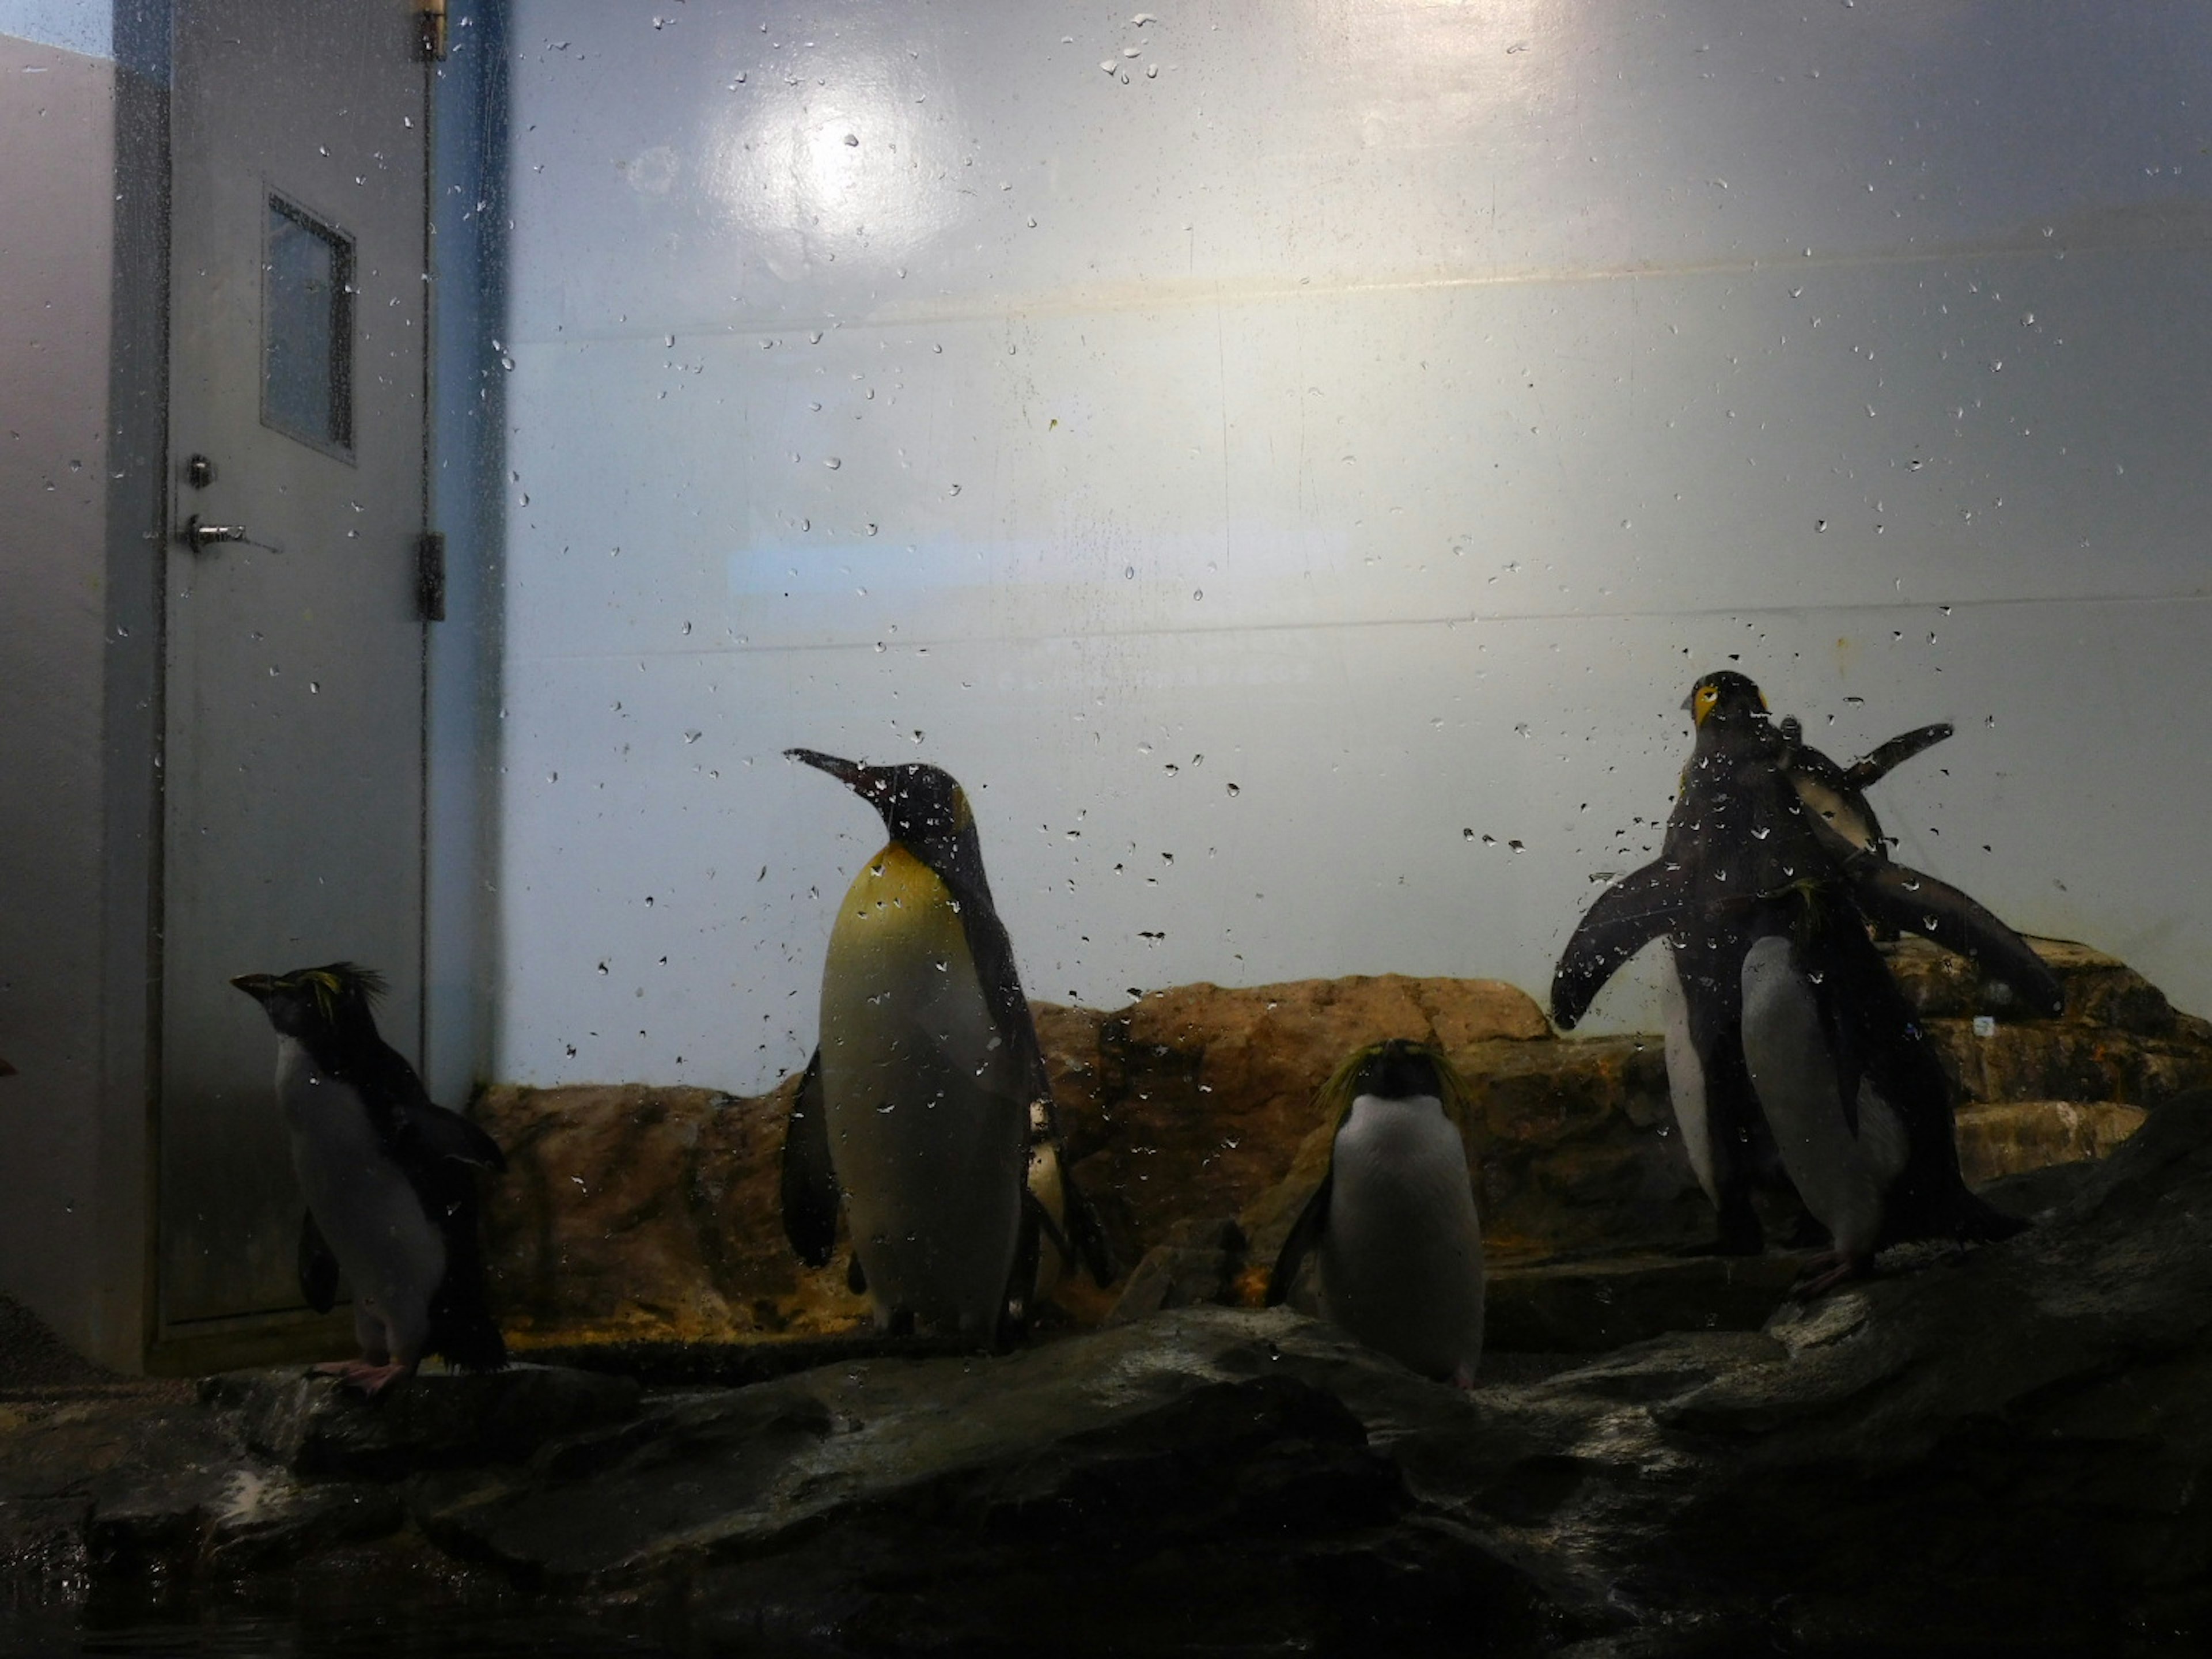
pixel 294 755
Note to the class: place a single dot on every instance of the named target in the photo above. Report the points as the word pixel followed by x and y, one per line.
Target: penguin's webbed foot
pixel 1828 1271
pixel 372 1379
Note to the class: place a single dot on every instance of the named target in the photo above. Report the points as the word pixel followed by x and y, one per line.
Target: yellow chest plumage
pixel 922 1098
pixel 898 905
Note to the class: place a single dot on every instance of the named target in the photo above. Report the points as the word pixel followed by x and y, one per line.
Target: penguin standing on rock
pixel 1393 1222
pixel 918 1106
pixel 1784 1027
pixel 389 1178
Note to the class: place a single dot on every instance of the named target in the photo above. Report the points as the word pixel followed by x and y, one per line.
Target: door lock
pixel 201 537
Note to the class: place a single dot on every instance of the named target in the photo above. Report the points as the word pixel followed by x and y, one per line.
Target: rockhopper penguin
pixel 918 1107
pixel 1779 1005
pixel 1394 1222
pixel 389 1179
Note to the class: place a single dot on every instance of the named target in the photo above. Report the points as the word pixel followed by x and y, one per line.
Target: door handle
pixel 201 537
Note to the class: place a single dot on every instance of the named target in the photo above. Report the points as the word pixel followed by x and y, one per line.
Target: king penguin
pixel 1757 883
pixel 1392 1223
pixel 927 1105
pixel 389 1179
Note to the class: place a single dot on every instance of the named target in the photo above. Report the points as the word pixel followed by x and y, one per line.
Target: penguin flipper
pixel 992 952
pixel 1086 1234
pixel 318 1268
pixel 1627 916
pixel 448 1135
pixel 1305 1233
pixel 1878 762
pixel 1905 898
pixel 1046 1226
pixel 809 1179
pixel 417 1131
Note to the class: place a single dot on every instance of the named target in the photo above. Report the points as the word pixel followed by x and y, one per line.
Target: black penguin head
pixel 1397 1069
pixel 1727 698
pixel 922 807
pixel 326 1005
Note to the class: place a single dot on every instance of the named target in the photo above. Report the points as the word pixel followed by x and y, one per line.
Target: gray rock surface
pixel 2000 1450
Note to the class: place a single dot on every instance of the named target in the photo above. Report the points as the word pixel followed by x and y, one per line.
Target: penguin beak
pixel 846 772
pixel 257 986
pixel 868 781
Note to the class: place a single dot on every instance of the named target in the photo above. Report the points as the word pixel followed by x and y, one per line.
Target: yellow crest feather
pixel 1333 1101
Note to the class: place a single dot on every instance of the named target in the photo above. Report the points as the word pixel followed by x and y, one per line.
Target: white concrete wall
pixel 80 439
pixel 1394 404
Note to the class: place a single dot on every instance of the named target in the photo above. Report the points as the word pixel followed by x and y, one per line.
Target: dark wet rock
pixel 32 1357
pixel 1199 1263
pixel 1993 1450
pixel 265 1519
pixel 1591 1306
pixel 316 1428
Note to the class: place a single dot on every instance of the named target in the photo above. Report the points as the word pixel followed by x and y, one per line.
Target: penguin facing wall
pixel 1392 1224
pixel 1753 853
pixel 389 1177
pixel 918 1107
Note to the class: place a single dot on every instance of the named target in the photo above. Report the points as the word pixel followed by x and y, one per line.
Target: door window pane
pixel 306 330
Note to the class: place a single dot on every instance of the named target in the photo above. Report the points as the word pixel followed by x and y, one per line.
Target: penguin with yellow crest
pixel 1788 1040
pixel 926 1111
pixel 1393 1224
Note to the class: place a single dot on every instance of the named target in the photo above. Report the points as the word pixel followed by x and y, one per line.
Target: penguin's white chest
pixel 362 1201
pixel 1842 1176
pixel 1401 1255
pixel 923 1100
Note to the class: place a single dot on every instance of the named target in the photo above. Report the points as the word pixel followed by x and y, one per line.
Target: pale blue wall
pixel 86 26
pixel 1394 404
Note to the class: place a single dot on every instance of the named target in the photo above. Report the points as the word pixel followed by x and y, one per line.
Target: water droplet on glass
pixel 1128 573
pixel 832 463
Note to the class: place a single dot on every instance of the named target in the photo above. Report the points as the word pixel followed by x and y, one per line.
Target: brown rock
pixel 2019 1135
pixel 1210 1090
pixel 632 1214
pixel 652 1214
pixel 2100 990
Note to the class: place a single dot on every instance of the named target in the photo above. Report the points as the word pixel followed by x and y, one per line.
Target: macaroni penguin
pixel 389 1179
pixel 1392 1223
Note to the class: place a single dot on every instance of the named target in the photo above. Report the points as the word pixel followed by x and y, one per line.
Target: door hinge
pixel 431 20
pixel 430 576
